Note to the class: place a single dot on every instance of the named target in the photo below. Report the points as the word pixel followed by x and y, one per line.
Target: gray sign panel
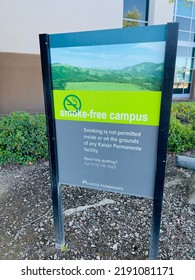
pixel 117 158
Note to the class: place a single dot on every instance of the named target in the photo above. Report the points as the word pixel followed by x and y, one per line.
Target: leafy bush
pixel 181 137
pixel 182 127
pixel 22 138
pixel 185 112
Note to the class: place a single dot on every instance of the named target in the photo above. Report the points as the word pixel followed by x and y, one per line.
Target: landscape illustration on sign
pixel 122 67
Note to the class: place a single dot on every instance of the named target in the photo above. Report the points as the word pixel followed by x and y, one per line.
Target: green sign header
pixel 137 108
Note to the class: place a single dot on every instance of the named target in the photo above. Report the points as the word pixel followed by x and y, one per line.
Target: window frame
pixel 145 22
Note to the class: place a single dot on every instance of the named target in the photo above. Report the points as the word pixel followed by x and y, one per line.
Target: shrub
pixel 181 137
pixel 182 127
pixel 185 112
pixel 22 138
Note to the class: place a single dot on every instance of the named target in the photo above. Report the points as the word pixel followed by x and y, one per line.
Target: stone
pixel 190 183
pixel 185 162
pixel 115 246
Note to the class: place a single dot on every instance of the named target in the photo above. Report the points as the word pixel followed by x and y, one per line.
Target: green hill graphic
pixel 143 76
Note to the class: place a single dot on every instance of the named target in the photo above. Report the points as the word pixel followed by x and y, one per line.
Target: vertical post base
pixel 58 216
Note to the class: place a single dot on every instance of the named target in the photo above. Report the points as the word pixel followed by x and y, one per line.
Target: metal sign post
pixel 108 100
pixel 167 89
pixel 51 133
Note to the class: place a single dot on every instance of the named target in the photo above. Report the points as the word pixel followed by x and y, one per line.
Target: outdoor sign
pixel 107 94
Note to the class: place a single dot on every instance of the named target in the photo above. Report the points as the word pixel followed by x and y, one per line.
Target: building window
pixel 185 15
pixel 135 13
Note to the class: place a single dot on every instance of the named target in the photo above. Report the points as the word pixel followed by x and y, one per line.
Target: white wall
pixel 21 21
pixel 160 12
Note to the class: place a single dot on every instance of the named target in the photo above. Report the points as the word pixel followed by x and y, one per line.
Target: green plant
pixel 181 137
pixel 134 14
pixel 22 138
pixel 185 112
pixel 64 248
pixel 182 127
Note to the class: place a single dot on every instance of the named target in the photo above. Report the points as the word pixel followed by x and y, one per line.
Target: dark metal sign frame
pixel 167 88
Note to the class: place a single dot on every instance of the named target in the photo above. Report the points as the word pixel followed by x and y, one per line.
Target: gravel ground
pixel 108 226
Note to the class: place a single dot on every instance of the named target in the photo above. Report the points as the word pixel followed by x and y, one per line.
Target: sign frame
pixel 163 132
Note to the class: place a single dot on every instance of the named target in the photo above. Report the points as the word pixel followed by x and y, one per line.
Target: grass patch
pixel 102 86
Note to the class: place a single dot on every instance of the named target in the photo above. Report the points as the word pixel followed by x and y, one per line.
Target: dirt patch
pixel 106 226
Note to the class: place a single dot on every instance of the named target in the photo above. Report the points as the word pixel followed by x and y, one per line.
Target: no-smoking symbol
pixel 72 103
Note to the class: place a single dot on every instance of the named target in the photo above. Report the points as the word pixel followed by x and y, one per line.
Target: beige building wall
pixel 160 12
pixel 20 83
pixel 21 22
